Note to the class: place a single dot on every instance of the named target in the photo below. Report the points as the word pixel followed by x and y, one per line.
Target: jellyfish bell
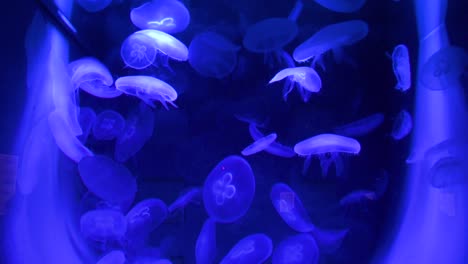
pixel 259 145
pixel 304 77
pixel 205 247
pixel 274 148
pixel 86 119
pixel 402 125
pixel 342 6
pixel 109 125
pixel 167 44
pixel 252 249
pixel 401 67
pixel 138 51
pixel 145 217
pixel 297 249
pixel 361 127
pixel 103 225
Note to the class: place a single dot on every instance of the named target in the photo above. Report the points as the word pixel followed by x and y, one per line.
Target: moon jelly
pixel 109 125
pixel 357 197
pixel 304 77
pixel 290 208
pixel 186 198
pixel 212 55
pixel 269 35
pixel 103 225
pixel 167 44
pixel 401 67
pixel 94 5
pixel 93 77
pixel 138 51
pixel 259 145
pixel 147 88
pixel 361 127
pixel 113 257
pixel 297 249
pixel 107 179
pixel 144 217
pixel 170 16
pixel 252 249
pixel 86 118
pixel 274 148
pixel 205 247
pixel 229 190
pixel 342 6
pixel 332 37
pixel 402 125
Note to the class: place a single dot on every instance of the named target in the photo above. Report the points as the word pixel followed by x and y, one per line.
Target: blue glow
pixel 109 124
pixel 252 249
pixel 341 6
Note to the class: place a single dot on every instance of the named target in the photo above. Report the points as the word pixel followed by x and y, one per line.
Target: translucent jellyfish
pixel 342 6
pixel 328 148
pixel 109 125
pixel 205 247
pixel 259 145
pixel 86 118
pixel 297 249
pixel 113 257
pixel 170 16
pixel 194 194
pixel 402 125
pixel 93 77
pixel 212 55
pixel 145 217
pixel 94 5
pixel 296 11
pixel 361 127
pixel 448 172
pixel 304 77
pixel 103 225
pixel 252 249
pixel 138 130
pixel 358 197
pixel 401 67
pixel 229 190
pixel 148 89
pixel 274 148
pixel 445 68
pixel 330 38
pixel 290 208
pixel 107 179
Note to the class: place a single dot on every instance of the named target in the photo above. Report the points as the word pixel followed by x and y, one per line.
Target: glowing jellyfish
pixel 401 67
pixel 107 179
pixel 94 5
pixel 170 16
pixel 361 127
pixel 138 51
pixel 402 125
pixel 342 6
pixel 328 148
pixel 358 197
pixel 259 145
pixel 229 190
pixel 290 208
pixel 330 38
pixel 274 148
pixel 304 77
pixel 109 125
pixel 444 68
pixel 212 55
pixel 103 225
pixel 145 217
pixel 93 77
pixel 113 257
pixel 205 247
pixel 252 249
pixel 138 130
pixel 86 118
pixel 147 88
pixel 297 249
pixel 189 196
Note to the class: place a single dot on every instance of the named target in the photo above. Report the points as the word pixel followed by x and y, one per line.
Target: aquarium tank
pixel 234 131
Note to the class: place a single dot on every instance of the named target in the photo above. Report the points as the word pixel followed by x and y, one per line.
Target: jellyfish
pixel 290 208
pixel 401 67
pixel 296 11
pixel 86 118
pixel 212 55
pixel 402 125
pixel 145 217
pixel 358 197
pixel 185 199
pixel 252 249
pixel 107 179
pixel 330 38
pixel 328 148
pixel 93 77
pixel 205 247
pixel 103 225
pixel 109 125
pixel 361 127
pixel 229 190
pixel 138 130
pixel 93 6
pixel 147 88
pixel 170 16
pixel 297 249
pixel 304 77
pixel 448 172
pixel 113 257
pixel 259 145
pixel 274 148
pixel 342 6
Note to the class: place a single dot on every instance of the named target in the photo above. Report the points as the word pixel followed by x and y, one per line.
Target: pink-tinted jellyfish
pixel 290 208
pixel 274 148
pixel 107 179
pixel 259 145
pixel 212 55
pixel 138 130
pixel 191 195
pixel 402 125
pixel 93 6
pixel 401 67
pixel 229 190
pixel 109 125
pixel 361 127
pixel 330 38
pixel 205 247
pixel 252 249
pixel 304 77
pixel 328 148
pixel 103 224
pixel 170 16
pixel 145 217
pixel 93 77
pixel 86 118
pixel 342 6
pixel 148 89
pixel 113 257
pixel 297 249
